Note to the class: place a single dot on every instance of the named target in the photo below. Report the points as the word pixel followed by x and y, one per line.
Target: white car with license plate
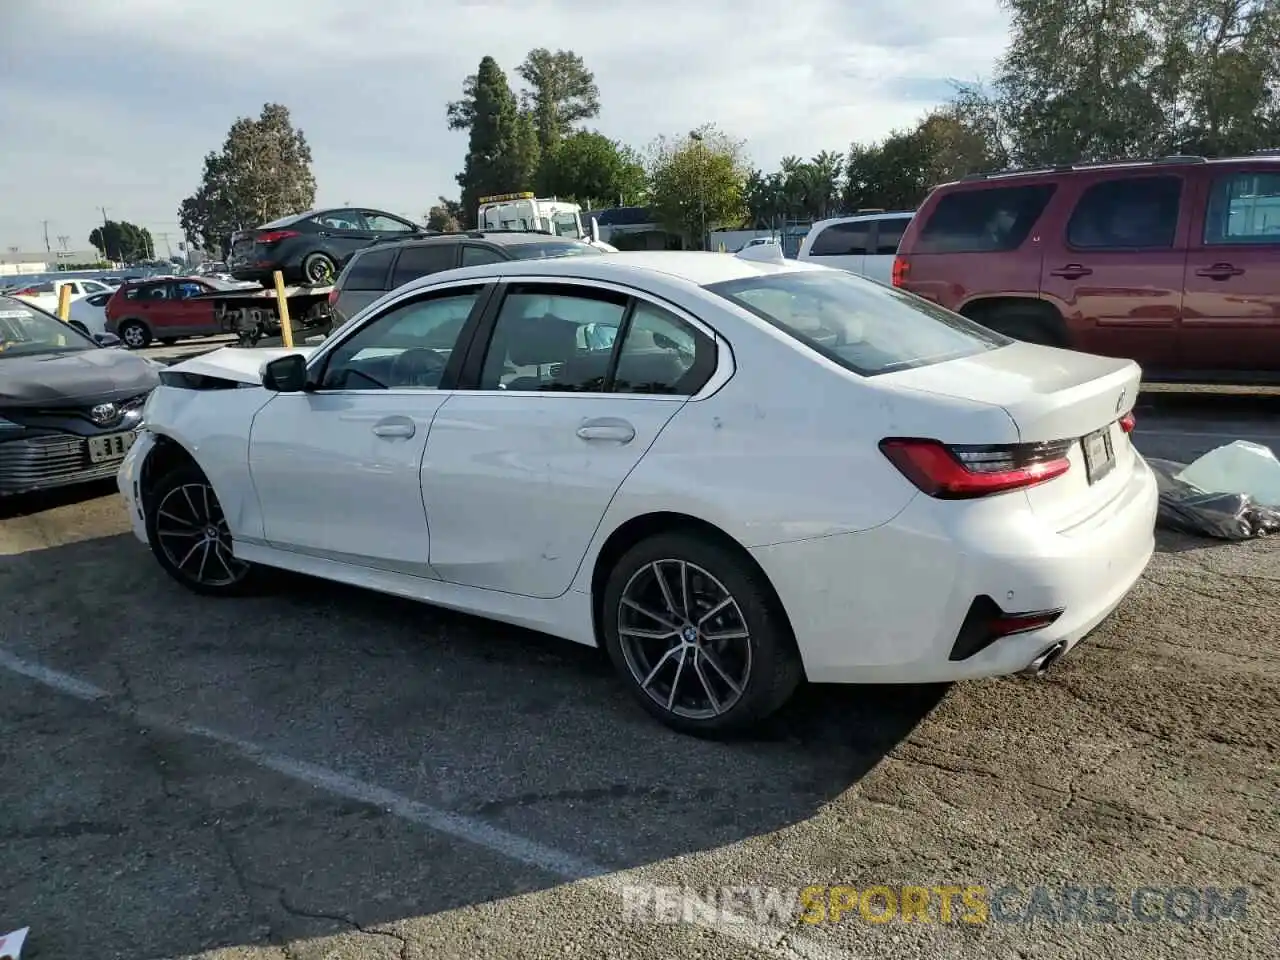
pixel 732 472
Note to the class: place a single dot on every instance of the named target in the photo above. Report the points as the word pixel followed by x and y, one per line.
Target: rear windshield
pixel 864 326
pixel 986 220
pixel 545 249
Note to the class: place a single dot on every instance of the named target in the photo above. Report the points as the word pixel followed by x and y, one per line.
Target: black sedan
pixel 309 247
pixel 70 405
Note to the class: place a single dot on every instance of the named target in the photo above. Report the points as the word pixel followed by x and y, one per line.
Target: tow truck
pixel 252 313
pixel 526 211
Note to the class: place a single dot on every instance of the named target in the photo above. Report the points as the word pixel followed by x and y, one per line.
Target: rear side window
pixel 368 271
pixel 1244 208
pixel 843 240
pixel 986 220
pixel 889 234
pixel 474 256
pixel 420 261
pixel 865 327
pixel 1127 214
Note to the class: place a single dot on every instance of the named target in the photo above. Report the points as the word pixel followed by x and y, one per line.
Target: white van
pixel 864 244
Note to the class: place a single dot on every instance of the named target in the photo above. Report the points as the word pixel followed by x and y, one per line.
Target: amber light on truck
pixel 964 472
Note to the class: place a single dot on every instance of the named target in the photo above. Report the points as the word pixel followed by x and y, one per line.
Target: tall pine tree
pixel 502 153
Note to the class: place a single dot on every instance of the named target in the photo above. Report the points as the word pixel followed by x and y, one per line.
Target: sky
pixel 114 103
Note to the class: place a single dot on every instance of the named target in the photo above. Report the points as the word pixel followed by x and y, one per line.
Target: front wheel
pixel 697 635
pixel 135 334
pixel 188 534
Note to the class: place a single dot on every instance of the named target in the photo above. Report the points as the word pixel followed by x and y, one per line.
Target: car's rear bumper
pixel 886 605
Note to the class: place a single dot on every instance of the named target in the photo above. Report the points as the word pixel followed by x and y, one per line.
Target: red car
pixel 162 309
pixel 1174 263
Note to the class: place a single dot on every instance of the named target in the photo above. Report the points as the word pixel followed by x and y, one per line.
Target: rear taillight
pixel 962 472
pixel 1128 422
pixel 333 296
pixel 275 236
pixel 901 270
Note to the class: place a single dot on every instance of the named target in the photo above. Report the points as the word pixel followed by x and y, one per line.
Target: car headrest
pixel 538 340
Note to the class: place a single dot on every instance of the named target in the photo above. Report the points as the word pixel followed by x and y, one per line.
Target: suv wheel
pixel 135 334
pixel 1026 323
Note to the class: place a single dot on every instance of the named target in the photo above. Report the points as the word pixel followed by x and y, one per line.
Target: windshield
pixel 566 225
pixel 550 248
pixel 862 325
pixel 26 330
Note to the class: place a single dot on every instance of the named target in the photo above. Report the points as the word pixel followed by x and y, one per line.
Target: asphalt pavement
pixel 321 772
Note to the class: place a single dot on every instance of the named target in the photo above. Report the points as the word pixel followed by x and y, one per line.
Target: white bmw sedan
pixel 731 472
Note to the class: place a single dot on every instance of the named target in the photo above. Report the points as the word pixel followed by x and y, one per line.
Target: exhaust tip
pixel 1041 664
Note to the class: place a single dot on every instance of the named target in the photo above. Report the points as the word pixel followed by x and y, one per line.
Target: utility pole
pixel 167 249
pixel 105 254
pixel 702 193
pixel 47 248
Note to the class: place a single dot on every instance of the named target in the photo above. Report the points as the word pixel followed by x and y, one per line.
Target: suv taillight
pixel 333 296
pixel 275 236
pixel 901 270
pixel 963 472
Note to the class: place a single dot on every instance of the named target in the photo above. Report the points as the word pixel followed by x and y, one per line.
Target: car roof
pixel 861 217
pixel 632 268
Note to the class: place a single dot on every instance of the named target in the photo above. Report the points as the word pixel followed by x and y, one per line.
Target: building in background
pixel 15 262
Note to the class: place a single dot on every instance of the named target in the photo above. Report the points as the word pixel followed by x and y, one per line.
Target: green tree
pixel 262 172
pixel 502 149
pixel 592 170
pixel 764 195
pixel 562 93
pixel 122 241
pixel 697 181
pixel 446 216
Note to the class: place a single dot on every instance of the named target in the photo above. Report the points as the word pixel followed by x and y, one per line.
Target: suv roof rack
pixel 1088 165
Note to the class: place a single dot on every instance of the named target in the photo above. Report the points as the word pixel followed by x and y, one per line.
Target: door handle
pixel 395 428
pixel 1220 271
pixel 607 428
pixel 1072 271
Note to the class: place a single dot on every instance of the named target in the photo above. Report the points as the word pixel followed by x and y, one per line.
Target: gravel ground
pixel 326 773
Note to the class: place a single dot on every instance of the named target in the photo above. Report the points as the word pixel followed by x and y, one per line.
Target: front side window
pixel 1244 208
pixel 1131 213
pixel 340 220
pixel 28 331
pixel 865 327
pixel 406 348
pixel 983 220
pixel 566 225
pixel 381 223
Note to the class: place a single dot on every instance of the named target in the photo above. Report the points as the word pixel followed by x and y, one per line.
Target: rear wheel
pixel 189 536
pixel 1026 323
pixel 319 268
pixel 697 635
pixel 135 334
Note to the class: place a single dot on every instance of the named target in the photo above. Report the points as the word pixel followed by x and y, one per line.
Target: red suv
pixel 164 310
pixel 1174 263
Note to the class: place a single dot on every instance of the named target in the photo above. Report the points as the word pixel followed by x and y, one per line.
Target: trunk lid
pixel 1051 395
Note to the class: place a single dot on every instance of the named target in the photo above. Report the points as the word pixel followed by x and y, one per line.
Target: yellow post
pixel 282 302
pixel 64 302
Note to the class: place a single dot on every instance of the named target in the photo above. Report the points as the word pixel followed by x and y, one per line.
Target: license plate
pixel 1099 456
pixel 113 446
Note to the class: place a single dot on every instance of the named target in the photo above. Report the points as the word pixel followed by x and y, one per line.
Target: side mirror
pixel 106 339
pixel 595 230
pixel 287 374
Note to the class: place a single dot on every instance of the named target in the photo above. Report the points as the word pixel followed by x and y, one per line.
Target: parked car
pixel 89 314
pixel 690 492
pixel 864 244
pixel 69 406
pixel 165 309
pixel 373 271
pixel 308 247
pixel 1174 263
pixel 45 294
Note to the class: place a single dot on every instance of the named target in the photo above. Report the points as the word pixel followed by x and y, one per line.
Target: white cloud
pixel 117 105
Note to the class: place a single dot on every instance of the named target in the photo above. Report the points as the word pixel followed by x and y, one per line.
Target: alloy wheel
pixel 194 536
pixel 134 336
pixel 684 639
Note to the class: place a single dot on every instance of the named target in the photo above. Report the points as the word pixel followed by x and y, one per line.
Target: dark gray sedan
pixel 70 404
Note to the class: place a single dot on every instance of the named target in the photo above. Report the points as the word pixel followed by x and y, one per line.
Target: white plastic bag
pixel 1240 467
